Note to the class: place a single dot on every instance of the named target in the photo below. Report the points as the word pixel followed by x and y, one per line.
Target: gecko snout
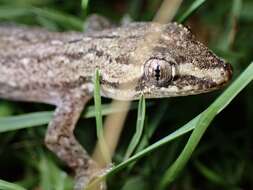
pixel 227 72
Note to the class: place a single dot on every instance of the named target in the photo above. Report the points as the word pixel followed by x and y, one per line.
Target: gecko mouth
pixel 190 81
pixel 174 92
pixel 189 85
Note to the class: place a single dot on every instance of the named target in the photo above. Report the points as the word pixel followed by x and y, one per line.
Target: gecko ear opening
pixel 159 72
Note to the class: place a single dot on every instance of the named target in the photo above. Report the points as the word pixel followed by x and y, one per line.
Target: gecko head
pixel 179 66
pixel 174 65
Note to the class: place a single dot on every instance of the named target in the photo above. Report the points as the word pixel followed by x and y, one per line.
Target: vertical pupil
pixel 157 72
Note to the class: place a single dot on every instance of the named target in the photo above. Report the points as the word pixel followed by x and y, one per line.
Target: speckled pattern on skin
pixel 57 68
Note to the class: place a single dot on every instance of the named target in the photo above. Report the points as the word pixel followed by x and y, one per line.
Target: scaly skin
pixel 141 58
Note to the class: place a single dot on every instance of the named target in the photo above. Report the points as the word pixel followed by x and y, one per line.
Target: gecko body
pixel 157 60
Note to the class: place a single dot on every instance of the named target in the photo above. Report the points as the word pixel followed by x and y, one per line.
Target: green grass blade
pixel 85 6
pixel 202 124
pixel 97 103
pixel 221 102
pixel 210 175
pixel 4 185
pixel 139 128
pixel 181 131
pixel 10 12
pixel 99 124
pixel 151 127
pixel 11 123
pixel 160 113
pixel 195 5
pixel 108 109
pixel 246 12
pixel 51 177
pixel 153 124
pixel 230 30
pixel 63 19
pixel 44 170
pixel 205 119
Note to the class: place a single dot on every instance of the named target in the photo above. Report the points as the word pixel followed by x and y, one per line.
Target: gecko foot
pixel 83 179
pixel 81 184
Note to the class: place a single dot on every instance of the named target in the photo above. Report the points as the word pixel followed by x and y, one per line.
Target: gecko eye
pixel 159 71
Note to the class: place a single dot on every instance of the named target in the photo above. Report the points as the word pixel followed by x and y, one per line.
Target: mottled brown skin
pixel 57 68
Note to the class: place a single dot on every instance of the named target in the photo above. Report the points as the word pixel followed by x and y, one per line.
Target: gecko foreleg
pixel 61 140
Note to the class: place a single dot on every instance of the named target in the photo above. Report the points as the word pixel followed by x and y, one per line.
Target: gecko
pixel 57 68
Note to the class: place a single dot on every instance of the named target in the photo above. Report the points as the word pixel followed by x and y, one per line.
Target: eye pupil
pixel 157 72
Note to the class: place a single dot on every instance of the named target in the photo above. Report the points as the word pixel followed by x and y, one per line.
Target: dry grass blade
pixel 167 11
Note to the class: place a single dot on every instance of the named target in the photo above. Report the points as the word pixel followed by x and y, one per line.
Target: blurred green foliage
pixel 223 159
